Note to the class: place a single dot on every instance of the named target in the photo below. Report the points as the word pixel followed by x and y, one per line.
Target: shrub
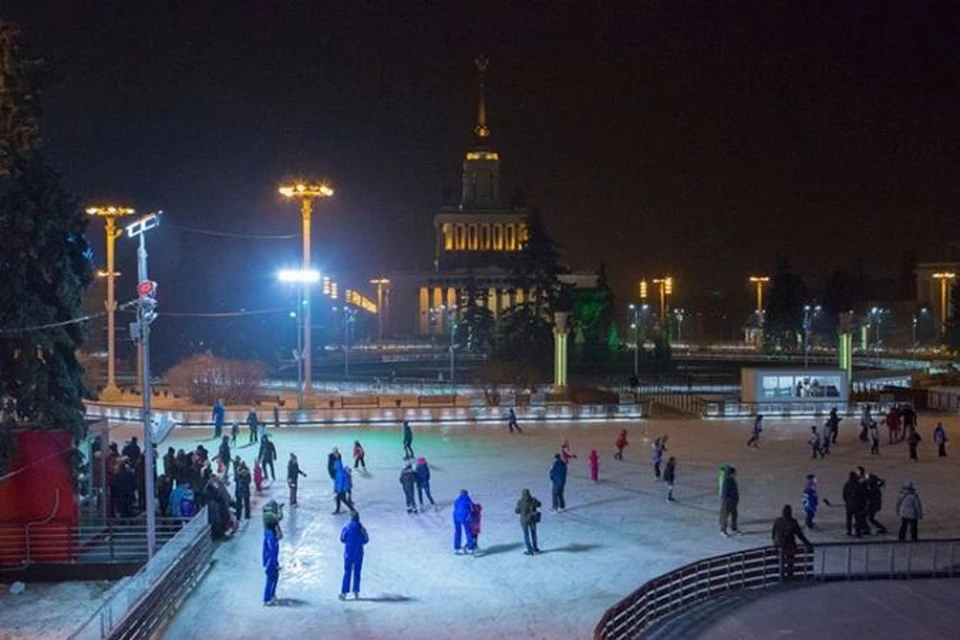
pixel 204 378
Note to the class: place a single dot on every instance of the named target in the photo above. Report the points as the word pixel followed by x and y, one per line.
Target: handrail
pixel 48 519
pixel 682 588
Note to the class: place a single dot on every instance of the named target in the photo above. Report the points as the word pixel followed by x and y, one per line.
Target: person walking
pixel 512 421
pixel 254 423
pixel 234 432
pixel 353 536
pixel 814 442
pixel 834 422
pixel 358 455
pixel 241 492
pixel 940 439
pixel 268 454
pixel 271 561
pixel 811 500
pixel 334 461
pixel 276 416
pixel 754 440
pixel 874 495
pixel 729 501
pixel 223 459
pixel 786 531
pixel 909 420
pixel 423 482
pixel 594 465
pixel 853 498
pixel 670 476
pixel 621 444
pixel 462 508
pixel 408 479
pixel 217 415
pixel 407 441
pixel 257 477
pixel 342 487
pixel 558 478
pixel 913 439
pixel 529 517
pixel 874 433
pixel 659 446
pixel 910 510
pixel 293 478
pixel 892 420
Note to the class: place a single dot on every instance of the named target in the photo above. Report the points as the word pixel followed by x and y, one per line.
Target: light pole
pixel 944 277
pixel 381 283
pixel 876 318
pixel 304 278
pixel 635 325
pixel 140 331
pixel 110 215
pixel 760 282
pixel 451 315
pixel 678 313
pixel 306 193
pixel 666 289
pixel 349 316
pixel 808 313
pixel 916 320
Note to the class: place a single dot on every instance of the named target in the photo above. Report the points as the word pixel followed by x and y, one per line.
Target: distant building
pixel 930 293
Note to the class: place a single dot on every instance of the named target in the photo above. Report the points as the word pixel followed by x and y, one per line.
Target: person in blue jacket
pixel 219 412
pixel 343 486
pixel 271 563
pixel 353 537
pixel 558 477
pixel 462 508
pixel 811 500
pixel 423 482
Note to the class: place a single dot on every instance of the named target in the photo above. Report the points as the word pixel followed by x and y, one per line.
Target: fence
pixel 680 590
pixel 144 602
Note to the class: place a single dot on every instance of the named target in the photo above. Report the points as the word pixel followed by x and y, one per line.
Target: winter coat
pixel 423 474
pixel 908 504
pixel 224 453
pixel 853 496
pixel 875 486
pixel 527 508
pixel 657 453
pixel 342 483
pixel 218 414
pixel 914 437
pixel 407 434
pixel 476 516
pixel 558 473
pixel 357 452
pixel 810 500
pixel 408 479
pixel 293 472
pixel 353 537
pixel 242 482
pixel 271 551
pixel 622 441
pixel 462 508
pixel 939 435
pixel 730 493
pixel 785 533
pixel 252 420
pixel 594 461
pixel 670 472
pixel 268 450
pixel 333 459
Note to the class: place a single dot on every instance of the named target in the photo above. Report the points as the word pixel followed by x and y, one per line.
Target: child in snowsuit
pixel 669 475
pixel 814 442
pixel 358 455
pixel 621 444
pixel 940 439
pixel 810 500
pixel 476 514
pixel 659 446
pixel 594 465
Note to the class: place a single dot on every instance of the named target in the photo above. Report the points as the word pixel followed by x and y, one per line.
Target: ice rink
pixel 615 534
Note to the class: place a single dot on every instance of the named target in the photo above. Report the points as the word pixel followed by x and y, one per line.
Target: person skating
pixel 910 510
pixel 558 478
pixel 754 440
pixel 621 444
pixel 475 523
pixel 217 415
pixel 333 460
pixel 855 505
pixel 825 438
pixel 566 452
pixel 234 432
pixel 721 476
pixel 729 501
pixel 293 478
pixel 594 465
pixel 462 508
pixel 407 441
pixel 254 423
pixel 834 422
pixel 892 420
pixel 271 562
pixel 423 482
pixel 267 456
pixel 814 442
pixel 874 495
pixel 512 422
pixel 786 531
pixel 940 439
pixel 865 419
pixel 670 476
pixel 408 479
pixel 241 492
pixel 343 487
pixel 659 446
pixel 811 500
pixel 258 477
pixel 874 433
pixel 358 456
pixel 223 459
pixel 276 416
pixel 909 420
pixel 529 517
pixel 913 439
pixel 354 536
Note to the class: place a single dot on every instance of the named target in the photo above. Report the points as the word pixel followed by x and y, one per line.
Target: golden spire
pixel 482 131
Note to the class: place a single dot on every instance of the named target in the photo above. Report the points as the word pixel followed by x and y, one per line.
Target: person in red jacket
pixel 565 451
pixel 621 444
pixel 476 514
pixel 358 455
pixel 594 465
pixel 258 476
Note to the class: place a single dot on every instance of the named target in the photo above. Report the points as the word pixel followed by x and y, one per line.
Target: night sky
pixel 687 137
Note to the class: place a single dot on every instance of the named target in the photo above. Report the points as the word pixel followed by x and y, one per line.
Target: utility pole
pixel 381 284
pixel 453 331
pixel 635 325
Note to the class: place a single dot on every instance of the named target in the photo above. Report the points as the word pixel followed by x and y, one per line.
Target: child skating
pixel 594 465
pixel 810 500
pixel 815 443
pixel 669 476
pixel 621 444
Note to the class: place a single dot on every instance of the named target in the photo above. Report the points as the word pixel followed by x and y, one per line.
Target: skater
pixel 293 478
pixel 353 537
pixel 254 423
pixel 358 459
pixel 241 492
pixel 913 439
pixel 659 446
pixel 874 433
pixel 910 511
pixel 825 438
pixel 810 500
pixel 754 440
pixel 621 444
pixel 258 477
pixel 407 441
pixel 462 508
pixel 268 454
pixel 814 442
pixel 909 420
pixel 594 465
pixel 408 478
pixel 565 451
pixel 512 422
pixel 854 498
pixel 729 501
pixel 721 476
pixel 218 414
pixel 223 459
pixel 892 420
pixel 423 482
pixel 529 517
pixel 271 561
pixel 476 515
pixel 343 488
pixel 786 531
pixel 276 415
pixel 875 485
pixel 940 439
pixel 669 476
pixel 834 422
pixel 234 432
pixel 558 478
pixel 333 460
pixel 865 419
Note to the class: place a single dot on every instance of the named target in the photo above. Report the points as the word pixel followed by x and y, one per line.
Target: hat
pixel 355 516
pixel 556 456
pixel 421 460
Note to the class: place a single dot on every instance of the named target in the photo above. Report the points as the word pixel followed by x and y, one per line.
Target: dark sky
pixel 698 138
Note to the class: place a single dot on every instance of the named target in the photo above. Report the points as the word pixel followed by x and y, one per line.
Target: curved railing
pixel 681 589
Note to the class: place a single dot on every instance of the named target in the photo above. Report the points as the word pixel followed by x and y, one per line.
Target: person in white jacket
pixel 910 510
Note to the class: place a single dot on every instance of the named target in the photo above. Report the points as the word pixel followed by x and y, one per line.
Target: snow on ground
pixel 49 611
pixel 614 536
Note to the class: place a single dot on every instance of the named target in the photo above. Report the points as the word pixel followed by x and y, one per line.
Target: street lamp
pixel 678 314
pixel 380 283
pixel 306 193
pixel 666 289
pixel 876 319
pixel 760 282
pixel 635 325
pixel 349 317
pixel 303 277
pixel 944 277
pixel 808 313
pixel 110 214
pixel 916 321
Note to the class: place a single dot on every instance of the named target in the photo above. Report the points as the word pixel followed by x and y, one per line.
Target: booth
pixel 794 386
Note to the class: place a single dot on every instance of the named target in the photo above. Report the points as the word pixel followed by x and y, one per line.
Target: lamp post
pixel 944 277
pixel 635 325
pixel 306 193
pixel 760 282
pixel 380 283
pixel 349 317
pixel 110 214
pixel 666 289
pixel 451 316
pixel 304 278
pixel 876 319
pixel 678 314
pixel 808 313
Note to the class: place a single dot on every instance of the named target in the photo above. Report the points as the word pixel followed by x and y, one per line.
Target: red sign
pixel 146 288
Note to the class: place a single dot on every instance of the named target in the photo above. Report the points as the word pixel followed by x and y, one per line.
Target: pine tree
pixel 44 268
pixel 476 330
pixel 784 314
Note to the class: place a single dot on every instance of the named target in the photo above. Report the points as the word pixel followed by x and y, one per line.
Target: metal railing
pixel 144 602
pixel 681 589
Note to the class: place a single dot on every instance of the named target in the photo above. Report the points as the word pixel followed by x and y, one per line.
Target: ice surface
pixel 48 611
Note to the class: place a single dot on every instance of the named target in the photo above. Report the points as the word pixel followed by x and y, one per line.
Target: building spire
pixel 482 131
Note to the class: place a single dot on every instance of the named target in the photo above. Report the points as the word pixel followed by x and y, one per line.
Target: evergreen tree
pixel 476 329
pixel 44 268
pixel 784 314
pixel 951 336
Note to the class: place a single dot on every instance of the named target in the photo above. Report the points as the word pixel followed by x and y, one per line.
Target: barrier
pixel 681 589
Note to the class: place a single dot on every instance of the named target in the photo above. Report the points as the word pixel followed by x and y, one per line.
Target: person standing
pixel 853 498
pixel 594 465
pixel 423 482
pixel 334 459
pixel 268 454
pixel 258 477
pixel 729 501
pixel 865 419
pixel 408 479
pixel 659 446
pixel 874 494
pixel 354 536
pixel 474 524
pixel 462 508
pixel 358 455
pixel 874 433
pixel 218 414
pixel 786 531
pixel 529 517
pixel 940 439
pixel 512 421
pixel 621 444
pixel 343 487
pixel 234 432
pixel 271 562
pixel 558 478
pixel 892 419
pixel 811 500
pixel 754 440
pixel 254 423
pixel 834 422
pixel 241 493
pixel 669 476
pixel 223 458
pixel 913 439
pixel 276 416
pixel 909 420
pixel 293 478
pixel 910 510
pixel 814 442
pixel 407 441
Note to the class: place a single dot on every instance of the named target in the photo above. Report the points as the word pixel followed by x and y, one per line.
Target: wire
pixel 226 234
pixel 52 325
pixel 225 314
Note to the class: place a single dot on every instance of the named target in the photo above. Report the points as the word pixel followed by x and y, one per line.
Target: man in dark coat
pixel 529 516
pixel 218 414
pixel 224 455
pixel 786 531
pixel 874 496
pixel 132 450
pixel 254 423
pixel 332 459
pixel 407 441
pixel 267 456
pixel 558 478
pixel 408 480
pixel 353 537
pixel 854 498
pixel 729 502
pixel 242 490
pixel 293 478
